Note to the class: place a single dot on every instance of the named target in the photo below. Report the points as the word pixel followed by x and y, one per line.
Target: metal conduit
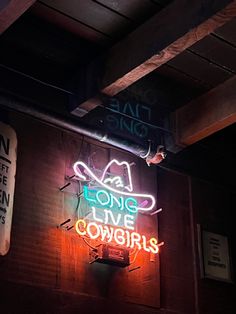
pixel 76 126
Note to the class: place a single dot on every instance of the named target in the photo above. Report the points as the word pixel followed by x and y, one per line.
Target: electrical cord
pixel 35 79
pixel 92 247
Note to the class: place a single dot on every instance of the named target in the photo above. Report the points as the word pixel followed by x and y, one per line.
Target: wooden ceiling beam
pixel 10 11
pixel 161 38
pixel 207 114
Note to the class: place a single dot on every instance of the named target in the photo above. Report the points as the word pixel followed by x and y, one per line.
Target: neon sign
pixel 118 235
pixel 114 208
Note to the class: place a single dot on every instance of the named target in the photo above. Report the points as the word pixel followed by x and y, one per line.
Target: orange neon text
pixel 129 239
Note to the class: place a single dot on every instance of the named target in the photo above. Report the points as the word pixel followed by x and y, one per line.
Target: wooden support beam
pixel 207 114
pixel 160 39
pixel 10 11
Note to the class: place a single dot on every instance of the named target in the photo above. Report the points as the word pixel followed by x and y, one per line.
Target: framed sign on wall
pixel 214 256
pixel 8 144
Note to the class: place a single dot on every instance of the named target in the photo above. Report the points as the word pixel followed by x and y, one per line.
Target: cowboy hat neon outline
pixel 103 182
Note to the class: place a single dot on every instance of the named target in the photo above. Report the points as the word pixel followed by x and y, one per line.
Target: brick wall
pixel 47 269
pixel 214 211
pixel 175 227
pixel 46 259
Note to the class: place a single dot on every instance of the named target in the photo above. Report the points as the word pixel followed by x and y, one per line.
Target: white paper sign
pixel 216 256
pixel 8 144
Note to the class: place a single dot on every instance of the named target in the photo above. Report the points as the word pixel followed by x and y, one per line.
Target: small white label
pixel 216 256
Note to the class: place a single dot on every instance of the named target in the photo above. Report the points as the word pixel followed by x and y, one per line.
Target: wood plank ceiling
pixel 100 21
pixel 56 38
pixel 206 64
pixel 201 67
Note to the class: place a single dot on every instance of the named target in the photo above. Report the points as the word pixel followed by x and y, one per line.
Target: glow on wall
pixel 114 207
